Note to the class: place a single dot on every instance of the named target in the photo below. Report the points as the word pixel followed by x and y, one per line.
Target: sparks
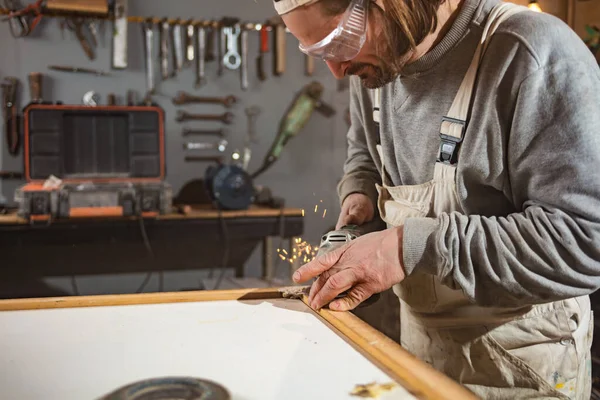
pixel 284 252
pixel 303 212
pixel 324 212
pixel 282 257
pixel 316 207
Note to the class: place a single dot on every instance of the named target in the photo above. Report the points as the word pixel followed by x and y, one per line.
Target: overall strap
pixel 455 122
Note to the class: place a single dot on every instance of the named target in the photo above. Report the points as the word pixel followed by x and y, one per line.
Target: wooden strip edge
pixel 137 299
pixel 416 376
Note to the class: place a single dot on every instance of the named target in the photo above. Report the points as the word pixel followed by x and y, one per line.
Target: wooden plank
pixel 416 376
pixel 196 212
pixel 143 298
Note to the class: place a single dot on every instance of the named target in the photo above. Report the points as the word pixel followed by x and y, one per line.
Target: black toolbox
pixel 93 161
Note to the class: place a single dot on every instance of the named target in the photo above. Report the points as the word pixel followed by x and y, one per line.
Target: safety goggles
pixel 345 42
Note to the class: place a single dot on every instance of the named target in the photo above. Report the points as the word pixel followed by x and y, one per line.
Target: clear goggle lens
pixel 345 42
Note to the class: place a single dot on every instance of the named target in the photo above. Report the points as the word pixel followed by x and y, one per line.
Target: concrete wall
pixel 306 173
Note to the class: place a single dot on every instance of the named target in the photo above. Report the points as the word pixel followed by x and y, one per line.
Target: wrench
pixel 226 118
pixel 244 61
pixel 164 49
pixel 189 42
pixel 148 28
pixel 177 41
pixel 232 59
pixel 186 98
pixel 221 146
pixel 210 44
pixel 188 131
pixel 200 59
pixel 220 49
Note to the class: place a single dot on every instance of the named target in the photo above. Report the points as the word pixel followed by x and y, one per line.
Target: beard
pixel 393 53
pixel 373 76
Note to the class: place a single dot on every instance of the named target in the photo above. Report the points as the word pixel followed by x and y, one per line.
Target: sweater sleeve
pixel 550 249
pixel 360 170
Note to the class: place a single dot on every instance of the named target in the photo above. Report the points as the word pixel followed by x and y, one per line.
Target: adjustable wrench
pixel 148 30
pixel 200 59
pixel 164 49
pixel 186 98
pixel 226 118
pixel 244 61
pixel 221 146
pixel 232 59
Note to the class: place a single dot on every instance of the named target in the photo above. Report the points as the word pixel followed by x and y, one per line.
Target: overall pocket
pixel 541 344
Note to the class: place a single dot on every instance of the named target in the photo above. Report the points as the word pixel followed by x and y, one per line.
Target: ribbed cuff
pixel 350 186
pixel 420 250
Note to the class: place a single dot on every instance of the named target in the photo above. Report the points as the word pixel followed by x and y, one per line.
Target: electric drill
pixel 335 239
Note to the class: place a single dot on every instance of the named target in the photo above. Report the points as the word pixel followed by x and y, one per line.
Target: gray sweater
pixel 528 176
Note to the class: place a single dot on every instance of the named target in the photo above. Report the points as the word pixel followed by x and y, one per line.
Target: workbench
pixel 258 344
pixel 198 239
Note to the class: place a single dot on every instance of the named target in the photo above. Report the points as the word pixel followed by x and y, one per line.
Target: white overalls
pixel 540 351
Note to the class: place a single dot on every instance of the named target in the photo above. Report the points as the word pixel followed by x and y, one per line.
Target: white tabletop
pixel 258 349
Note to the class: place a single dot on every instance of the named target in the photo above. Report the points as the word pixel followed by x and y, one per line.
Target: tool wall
pixel 311 164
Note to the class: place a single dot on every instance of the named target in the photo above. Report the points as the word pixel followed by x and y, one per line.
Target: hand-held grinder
pixel 335 239
pixel 295 119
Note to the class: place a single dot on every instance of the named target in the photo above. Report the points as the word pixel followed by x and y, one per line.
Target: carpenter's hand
pixel 367 265
pixel 357 209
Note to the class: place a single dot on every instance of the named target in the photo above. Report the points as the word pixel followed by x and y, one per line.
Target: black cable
pixel 225 260
pixel 150 252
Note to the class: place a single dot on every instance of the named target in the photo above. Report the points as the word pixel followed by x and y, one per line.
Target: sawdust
pixel 372 390
pixel 294 292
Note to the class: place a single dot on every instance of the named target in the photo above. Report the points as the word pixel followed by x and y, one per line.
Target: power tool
pixel 306 102
pixel 230 187
pixel 335 239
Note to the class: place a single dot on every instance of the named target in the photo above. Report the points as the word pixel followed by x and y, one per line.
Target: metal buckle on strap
pixel 450 145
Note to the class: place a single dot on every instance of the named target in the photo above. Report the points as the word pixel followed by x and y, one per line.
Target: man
pixel 476 137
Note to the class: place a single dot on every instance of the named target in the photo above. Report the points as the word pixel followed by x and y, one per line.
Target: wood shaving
pixel 372 390
pixel 294 292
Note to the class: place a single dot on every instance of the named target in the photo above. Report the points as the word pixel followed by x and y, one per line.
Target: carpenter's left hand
pixel 369 264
